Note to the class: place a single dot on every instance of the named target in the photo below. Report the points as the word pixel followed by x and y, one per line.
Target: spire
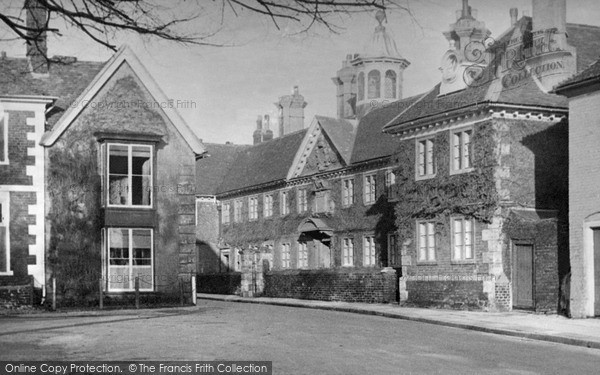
pixel 382 43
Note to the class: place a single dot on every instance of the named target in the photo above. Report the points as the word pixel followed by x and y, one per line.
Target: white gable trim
pixel 305 149
pixel 125 54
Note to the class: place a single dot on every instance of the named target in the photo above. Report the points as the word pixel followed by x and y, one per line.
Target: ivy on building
pixel 472 194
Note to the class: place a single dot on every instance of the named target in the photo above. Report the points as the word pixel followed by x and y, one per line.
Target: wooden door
pixel 597 271
pixel 523 276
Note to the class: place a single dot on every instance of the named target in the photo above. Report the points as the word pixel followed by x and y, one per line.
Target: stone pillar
pixel 390 284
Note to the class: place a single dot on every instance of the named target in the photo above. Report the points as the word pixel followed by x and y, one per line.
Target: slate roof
pixel 263 163
pixel 211 169
pixel 65 81
pixel 341 133
pixel 526 92
pixel 590 74
pixel 370 142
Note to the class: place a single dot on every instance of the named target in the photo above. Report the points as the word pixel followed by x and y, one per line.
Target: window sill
pixel 424 177
pixel 427 263
pixel 461 171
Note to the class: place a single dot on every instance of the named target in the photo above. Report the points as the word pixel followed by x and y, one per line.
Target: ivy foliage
pixel 471 194
pixel 74 186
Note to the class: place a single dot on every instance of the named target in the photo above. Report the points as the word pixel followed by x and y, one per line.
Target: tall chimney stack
pixel 257 135
pixel 267 132
pixel 514 16
pixel 37 49
pixel 291 112
pixel 548 14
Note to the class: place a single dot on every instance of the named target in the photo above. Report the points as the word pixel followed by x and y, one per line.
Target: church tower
pixel 372 78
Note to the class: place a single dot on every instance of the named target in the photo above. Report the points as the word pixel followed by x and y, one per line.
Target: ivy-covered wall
pixel 354 221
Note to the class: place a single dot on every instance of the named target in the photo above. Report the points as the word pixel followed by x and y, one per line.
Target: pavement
pixel 552 328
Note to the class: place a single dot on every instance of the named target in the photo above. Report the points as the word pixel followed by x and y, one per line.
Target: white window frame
pixel 370 188
pixel 107 258
pixel 302 254
pixel 4 118
pixel 391 189
pixel 461 154
pixel 347 252
pixel 347 192
pixel 426 242
pixel 392 248
pixel 369 259
pixel 302 197
pixel 425 166
pixel 268 205
pixel 285 255
pixel 129 175
pixel 253 208
pixel 238 206
pixel 5 222
pixel 226 213
pixel 284 202
pixel 463 235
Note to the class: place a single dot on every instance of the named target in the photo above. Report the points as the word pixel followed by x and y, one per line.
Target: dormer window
pixel 129 175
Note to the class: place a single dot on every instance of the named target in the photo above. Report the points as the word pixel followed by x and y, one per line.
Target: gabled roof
pixel 370 142
pixel 65 81
pixel 212 168
pixel 263 163
pixel 125 54
pixel 341 133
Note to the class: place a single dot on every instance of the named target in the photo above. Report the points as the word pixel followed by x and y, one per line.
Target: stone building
pixel 583 91
pixel 96 178
pixel 467 200
pixel 483 174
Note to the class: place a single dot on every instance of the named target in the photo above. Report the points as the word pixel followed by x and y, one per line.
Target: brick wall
pixel 348 285
pixel 20 220
pixel 14 173
pixel 447 294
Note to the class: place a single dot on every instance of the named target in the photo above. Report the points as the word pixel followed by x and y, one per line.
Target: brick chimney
pixel 514 16
pixel 257 135
pixel 37 49
pixel 291 112
pixel 267 132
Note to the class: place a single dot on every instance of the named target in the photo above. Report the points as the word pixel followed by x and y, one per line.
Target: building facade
pixel 96 178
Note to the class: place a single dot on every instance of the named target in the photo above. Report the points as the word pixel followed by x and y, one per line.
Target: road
pixel 298 341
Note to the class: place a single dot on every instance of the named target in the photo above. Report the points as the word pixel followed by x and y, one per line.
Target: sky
pixel 228 87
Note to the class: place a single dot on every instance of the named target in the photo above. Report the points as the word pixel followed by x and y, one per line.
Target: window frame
pixel 370 196
pixel 425 175
pixel 226 208
pixel 107 258
pixel 463 250
pixel 429 226
pixel 4 117
pixel 461 169
pixel 238 209
pixel 302 250
pixel 348 252
pixel 268 205
pixel 302 200
pixel 129 146
pixel 286 252
pixel 284 202
pixel 370 258
pixel 347 195
pixel 391 188
pixel 253 208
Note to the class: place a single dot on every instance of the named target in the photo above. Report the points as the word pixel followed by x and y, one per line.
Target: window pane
pixel 140 160
pixel 141 190
pixel 374 89
pixel 390 84
pixel 118 247
pixel 429 157
pixel 421 158
pixel 118 156
pixel 118 189
pixel 467 149
pixel 456 151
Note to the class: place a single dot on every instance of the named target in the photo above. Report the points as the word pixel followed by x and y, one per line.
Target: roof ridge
pixel 410 106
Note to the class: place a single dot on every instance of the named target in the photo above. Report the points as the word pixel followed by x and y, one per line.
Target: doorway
pixel 522 276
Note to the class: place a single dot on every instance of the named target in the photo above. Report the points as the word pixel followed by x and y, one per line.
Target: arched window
pixel 361 86
pixel 374 90
pixel 390 84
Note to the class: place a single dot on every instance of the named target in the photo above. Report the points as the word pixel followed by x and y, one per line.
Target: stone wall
pixel 349 285
pixel 16 292
pixel 447 294
pixel 219 283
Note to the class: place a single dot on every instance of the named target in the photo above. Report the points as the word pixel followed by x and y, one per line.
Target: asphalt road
pixel 298 341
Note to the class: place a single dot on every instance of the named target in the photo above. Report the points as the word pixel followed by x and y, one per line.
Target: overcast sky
pixel 230 86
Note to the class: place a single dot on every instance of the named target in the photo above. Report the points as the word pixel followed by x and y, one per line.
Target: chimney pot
pixel 3 55
pixel 296 91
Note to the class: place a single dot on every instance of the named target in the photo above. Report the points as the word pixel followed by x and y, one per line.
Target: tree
pixel 101 19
